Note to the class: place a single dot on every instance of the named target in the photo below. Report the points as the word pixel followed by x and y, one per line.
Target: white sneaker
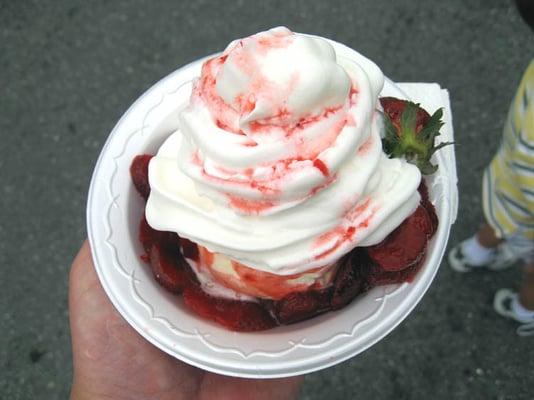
pixel 503 258
pixel 502 304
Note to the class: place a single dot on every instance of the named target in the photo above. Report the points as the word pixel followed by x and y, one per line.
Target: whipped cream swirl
pixel 278 162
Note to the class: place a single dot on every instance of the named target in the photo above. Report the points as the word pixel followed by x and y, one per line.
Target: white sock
pixel 523 314
pixel 475 253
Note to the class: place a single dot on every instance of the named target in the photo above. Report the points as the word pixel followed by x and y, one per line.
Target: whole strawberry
pixel 410 132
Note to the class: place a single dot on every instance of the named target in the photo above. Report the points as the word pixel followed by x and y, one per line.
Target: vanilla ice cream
pixel 277 163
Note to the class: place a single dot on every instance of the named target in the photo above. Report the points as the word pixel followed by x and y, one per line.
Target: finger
pixel 90 311
pixel 82 273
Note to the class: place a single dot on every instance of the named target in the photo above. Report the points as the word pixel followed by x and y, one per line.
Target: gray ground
pixel 69 69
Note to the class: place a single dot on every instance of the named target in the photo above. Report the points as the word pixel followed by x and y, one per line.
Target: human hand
pixel 112 361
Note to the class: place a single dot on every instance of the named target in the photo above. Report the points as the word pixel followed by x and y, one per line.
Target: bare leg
pixel 526 292
pixel 487 238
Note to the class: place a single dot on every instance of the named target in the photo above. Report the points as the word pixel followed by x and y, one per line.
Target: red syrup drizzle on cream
pixel 278 121
pixel 345 232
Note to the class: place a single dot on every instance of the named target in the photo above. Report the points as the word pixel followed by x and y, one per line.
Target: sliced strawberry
pixel 351 279
pixel 298 306
pixel 379 276
pixel 429 207
pixel 169 268
pixel 235 315
pixel 139 174
pixel 404 246
pixel 148 236
pixel 421 220
pixel 189 249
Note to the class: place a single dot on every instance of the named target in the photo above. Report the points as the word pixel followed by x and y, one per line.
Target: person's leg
pixel 483 249
pixel 478 250
pixel 487 238
pixel 526 292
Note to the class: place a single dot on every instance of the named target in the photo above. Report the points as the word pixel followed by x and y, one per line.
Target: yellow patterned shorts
pixel 508 185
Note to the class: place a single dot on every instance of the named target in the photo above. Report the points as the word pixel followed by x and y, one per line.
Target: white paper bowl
pixel 113 213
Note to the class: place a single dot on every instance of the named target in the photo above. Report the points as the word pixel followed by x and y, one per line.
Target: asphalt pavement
pixel 70 68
